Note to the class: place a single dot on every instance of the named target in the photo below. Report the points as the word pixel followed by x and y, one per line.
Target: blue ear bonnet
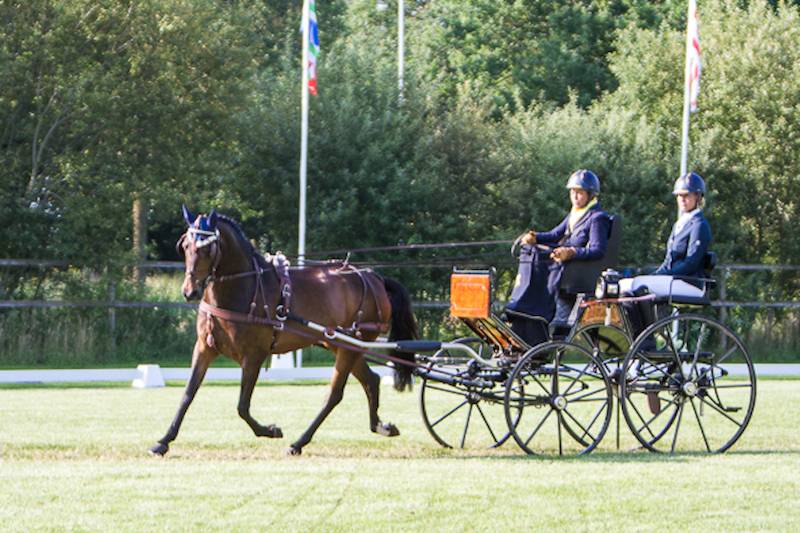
pixel 202 228
pixel 203 223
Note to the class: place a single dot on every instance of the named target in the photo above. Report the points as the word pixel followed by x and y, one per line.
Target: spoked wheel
pixel 689 386
pixel 462 403
pixel 558 400
pixel 609 343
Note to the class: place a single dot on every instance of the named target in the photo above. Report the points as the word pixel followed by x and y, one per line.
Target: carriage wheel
pixel 458 415
pixel 558 400
pixel 610 344
pixel 680 392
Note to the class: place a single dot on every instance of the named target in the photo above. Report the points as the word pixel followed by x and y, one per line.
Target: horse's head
pixel 200 247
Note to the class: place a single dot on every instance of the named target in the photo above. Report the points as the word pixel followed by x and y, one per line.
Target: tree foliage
pixel 198 102
pixel 101 101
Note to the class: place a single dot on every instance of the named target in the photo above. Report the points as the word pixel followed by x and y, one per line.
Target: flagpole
pixel 401 37
pixel 301 232
pixel 301 237
pixel 686 97
pixel 692 53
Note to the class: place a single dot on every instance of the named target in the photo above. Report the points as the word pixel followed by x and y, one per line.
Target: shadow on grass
pixel 633 456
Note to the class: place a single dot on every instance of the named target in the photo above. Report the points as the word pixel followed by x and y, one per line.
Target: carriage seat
pixel 674 289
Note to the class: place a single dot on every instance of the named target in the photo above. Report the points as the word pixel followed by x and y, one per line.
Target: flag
pixel 693 64
pixel 312 41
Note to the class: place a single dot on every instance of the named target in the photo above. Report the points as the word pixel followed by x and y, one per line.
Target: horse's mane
pixel 252 251
pixel 243 240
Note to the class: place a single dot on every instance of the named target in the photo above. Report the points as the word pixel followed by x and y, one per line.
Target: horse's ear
pixel 179 245
pixel 187 215
pixel 212 218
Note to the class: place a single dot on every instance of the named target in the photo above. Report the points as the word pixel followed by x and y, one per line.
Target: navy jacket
pixel 540 276
pixel 589 237
pixel 687 248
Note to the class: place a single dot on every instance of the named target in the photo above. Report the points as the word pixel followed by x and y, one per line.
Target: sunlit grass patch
pixel 76 459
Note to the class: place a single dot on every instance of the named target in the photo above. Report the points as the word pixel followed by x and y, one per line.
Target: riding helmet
pixel 689 182
pixel 584 179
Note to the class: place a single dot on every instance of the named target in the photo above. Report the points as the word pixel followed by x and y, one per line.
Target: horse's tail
pixel 404 327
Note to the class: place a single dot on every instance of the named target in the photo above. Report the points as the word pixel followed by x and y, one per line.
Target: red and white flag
pixel 693 64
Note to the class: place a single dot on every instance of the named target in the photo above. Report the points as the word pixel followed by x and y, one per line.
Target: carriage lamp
pixel 607 284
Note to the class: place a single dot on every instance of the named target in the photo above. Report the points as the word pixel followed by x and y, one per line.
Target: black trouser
pixel 640 315
pixel 531 331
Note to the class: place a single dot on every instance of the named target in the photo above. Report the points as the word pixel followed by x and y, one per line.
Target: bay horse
pixel 247 300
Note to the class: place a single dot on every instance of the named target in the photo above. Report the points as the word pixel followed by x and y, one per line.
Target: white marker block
pixel 282 360
pixel 149 377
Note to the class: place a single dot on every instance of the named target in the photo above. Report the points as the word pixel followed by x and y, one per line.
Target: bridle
pixel 211 237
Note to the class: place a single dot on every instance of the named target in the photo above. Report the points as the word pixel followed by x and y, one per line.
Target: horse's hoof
pixel 159 449
pixel 293 451
pixel 271 431
pixel 387 429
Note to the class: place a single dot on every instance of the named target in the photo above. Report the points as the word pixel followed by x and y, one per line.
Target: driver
pixel 581 236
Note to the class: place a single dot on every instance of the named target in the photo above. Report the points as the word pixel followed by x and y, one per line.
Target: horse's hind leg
pixel 250 369
pixel 200 360
pixel 371 382
pixel 341 369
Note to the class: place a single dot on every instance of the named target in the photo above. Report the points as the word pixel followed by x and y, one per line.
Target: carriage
pixel 686 383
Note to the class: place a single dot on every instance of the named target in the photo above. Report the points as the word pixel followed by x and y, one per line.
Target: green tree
pixel 523 51
pixel 114 101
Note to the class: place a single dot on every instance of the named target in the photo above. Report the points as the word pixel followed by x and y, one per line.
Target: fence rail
pixel 116 304
pixel 111 303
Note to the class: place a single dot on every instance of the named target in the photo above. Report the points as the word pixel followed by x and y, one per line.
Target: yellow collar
pixel 576 214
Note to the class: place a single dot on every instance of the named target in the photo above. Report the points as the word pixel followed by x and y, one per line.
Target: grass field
pixel 75 459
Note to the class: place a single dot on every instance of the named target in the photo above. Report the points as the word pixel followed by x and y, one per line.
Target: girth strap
pixel 367 287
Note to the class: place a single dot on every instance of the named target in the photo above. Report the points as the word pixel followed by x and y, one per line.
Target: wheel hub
pixel 690 389
pixel 560 403
pixel 473 397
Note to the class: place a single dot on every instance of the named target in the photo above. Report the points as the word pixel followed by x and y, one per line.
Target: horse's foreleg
pixel 341 369
pixel 371 382
pixel 250 369
pixel 200 361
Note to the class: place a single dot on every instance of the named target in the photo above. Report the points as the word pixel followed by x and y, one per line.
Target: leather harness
pixel 281 267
